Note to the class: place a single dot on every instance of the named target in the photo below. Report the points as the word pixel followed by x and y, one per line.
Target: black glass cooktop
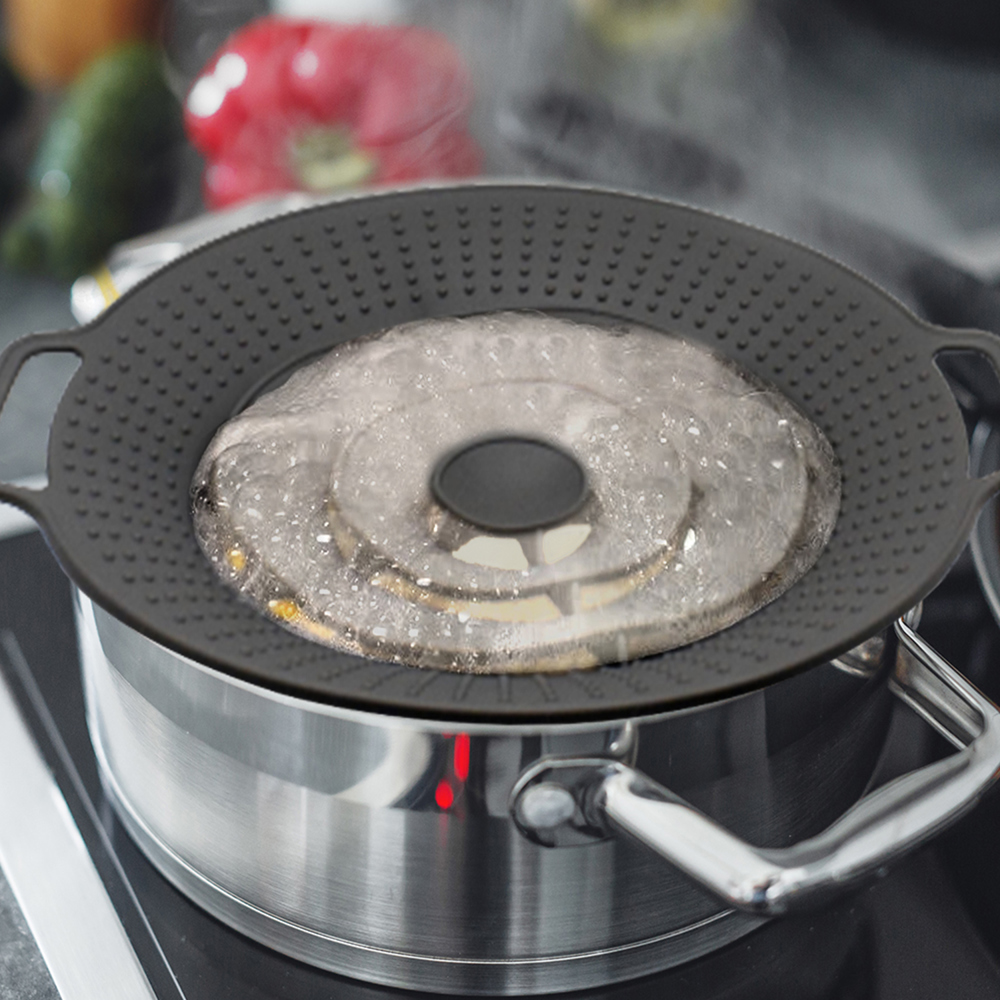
pixel 929 929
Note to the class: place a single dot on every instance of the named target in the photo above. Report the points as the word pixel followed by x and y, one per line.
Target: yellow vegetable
pixel 50 41
pixel 653 24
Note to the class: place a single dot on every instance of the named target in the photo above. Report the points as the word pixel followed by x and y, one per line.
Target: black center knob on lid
pixel 508 483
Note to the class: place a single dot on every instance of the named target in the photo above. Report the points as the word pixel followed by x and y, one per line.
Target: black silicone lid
pixel 176 357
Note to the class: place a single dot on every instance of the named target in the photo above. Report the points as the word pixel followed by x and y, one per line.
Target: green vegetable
pixel 101 163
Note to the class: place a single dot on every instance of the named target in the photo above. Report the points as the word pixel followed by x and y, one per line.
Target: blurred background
pixel 132 130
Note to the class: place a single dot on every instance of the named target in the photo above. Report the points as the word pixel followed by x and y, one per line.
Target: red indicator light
pixel 443 795
pixel 462 756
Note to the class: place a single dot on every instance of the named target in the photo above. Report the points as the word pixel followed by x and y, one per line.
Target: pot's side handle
pixel 559 800
pixel 12 361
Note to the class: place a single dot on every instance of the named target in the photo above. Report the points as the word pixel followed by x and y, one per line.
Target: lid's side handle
pixel 988 345
pixel 12 361
pixel 599 796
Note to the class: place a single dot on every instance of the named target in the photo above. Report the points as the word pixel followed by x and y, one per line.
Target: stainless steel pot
pixel 322 831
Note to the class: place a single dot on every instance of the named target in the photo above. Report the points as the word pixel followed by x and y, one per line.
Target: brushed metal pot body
pixel 318 831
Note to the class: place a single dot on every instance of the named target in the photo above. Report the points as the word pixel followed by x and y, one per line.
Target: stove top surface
pixel 925 930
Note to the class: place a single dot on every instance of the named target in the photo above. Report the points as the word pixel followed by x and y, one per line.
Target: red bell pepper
pixel 307 105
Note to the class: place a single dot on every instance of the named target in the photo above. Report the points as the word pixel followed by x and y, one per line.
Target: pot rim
pixel 372 717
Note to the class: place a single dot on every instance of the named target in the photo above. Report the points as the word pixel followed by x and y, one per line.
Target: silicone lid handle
pixel 13 359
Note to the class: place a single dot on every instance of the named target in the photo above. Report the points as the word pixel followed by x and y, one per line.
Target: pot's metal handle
pixel 12 361
pixel 562 800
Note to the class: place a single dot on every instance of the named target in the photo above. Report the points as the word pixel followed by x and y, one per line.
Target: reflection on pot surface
pixel 384 848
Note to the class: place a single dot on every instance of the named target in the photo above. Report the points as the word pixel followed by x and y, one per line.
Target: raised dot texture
pixel 174 359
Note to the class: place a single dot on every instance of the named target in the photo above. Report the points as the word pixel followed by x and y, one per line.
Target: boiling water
pixel 708 495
